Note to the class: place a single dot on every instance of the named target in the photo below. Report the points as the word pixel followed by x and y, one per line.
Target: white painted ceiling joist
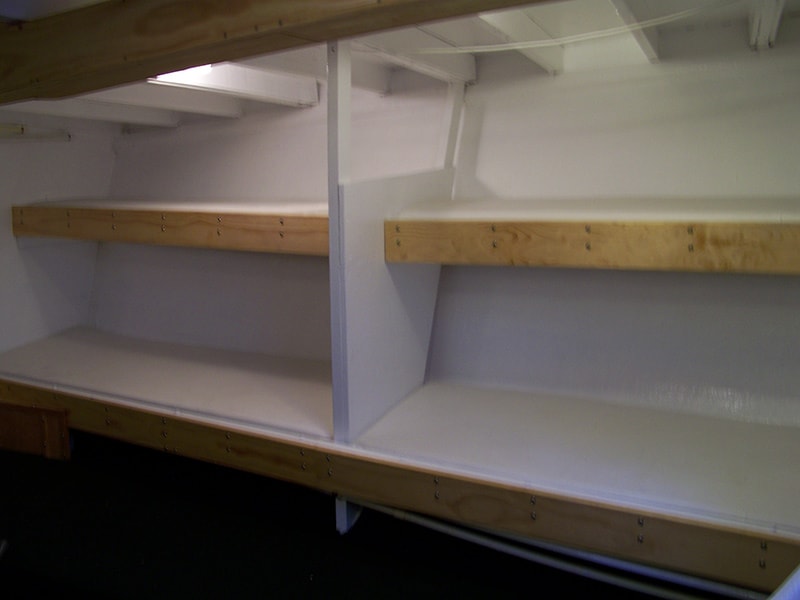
pixel 554 34
pixel 173 98
pixel 310 61
pixel 646 38
pixel 765 18
pixel 247 83
pixel 516 26
pixel 78 108
pixel 394 47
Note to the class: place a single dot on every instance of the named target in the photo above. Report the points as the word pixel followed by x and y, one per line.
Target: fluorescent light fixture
pixel 190 76
pixel 246 83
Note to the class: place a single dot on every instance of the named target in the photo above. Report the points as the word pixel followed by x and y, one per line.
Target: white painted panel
pixel 275 154
pixel 278 153
pixel 46 285
pixel 720 345
pixel 720 128
pixel 388 308
pixel 253 302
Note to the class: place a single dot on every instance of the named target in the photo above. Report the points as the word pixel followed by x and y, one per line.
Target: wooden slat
pixel 689 246
pixel 118 42
pixel 739 557
pixel 37 431
pixel 290 234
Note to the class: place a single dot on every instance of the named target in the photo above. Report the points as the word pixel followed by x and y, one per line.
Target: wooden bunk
pixel 406 442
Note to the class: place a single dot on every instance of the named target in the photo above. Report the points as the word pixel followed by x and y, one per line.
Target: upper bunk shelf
pixel 683 236
pixel 296 228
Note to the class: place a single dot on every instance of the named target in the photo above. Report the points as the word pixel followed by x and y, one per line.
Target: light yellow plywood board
pixel 746 247
pixel 68 53
pixel 248 231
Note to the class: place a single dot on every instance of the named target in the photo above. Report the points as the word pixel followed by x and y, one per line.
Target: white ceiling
pixel 558 37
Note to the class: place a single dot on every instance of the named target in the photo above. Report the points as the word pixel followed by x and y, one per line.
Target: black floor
pixel 117 521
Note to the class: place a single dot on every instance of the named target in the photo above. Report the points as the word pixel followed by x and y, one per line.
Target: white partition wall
pixel 46 284
pixel 388 309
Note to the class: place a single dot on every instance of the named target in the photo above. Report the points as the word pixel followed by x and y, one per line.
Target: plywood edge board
pixel 746 247
pixel 750 559
pixel 40 431
pixel 67 54
pixel 285 234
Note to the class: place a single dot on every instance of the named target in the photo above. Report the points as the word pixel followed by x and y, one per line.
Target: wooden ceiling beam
pixel 118 41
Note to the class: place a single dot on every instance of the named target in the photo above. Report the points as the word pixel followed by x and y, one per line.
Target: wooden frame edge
pixel 251 232
pixel 68 54
pixel 752 560
pixel 745 247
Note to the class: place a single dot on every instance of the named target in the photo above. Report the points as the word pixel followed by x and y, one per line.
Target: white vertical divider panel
pixel 388 308
pixel 452 124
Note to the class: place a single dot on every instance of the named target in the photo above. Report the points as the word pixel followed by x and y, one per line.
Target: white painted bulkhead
pixel 47 283
pixel 575 346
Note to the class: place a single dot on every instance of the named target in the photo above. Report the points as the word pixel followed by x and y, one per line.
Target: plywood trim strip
pixel 285 234
pixel 39 431
pixel 702 246
pixel 68 54
pixel 738 557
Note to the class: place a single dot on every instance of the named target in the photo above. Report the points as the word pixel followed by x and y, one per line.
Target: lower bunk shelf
pixel 248 389
pixel 676 488
pixel 574 485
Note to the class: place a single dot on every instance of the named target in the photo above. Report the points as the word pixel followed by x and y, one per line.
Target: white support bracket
pixel 765 18
pixel 347 513
pixel 452 124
